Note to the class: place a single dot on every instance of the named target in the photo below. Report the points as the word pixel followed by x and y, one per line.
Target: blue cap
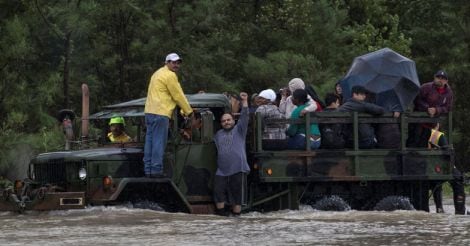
pixel 441 73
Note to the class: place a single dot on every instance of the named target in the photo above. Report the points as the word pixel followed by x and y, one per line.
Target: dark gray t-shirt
pixel 231 156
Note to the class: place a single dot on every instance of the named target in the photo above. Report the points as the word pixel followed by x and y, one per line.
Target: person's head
pixel 299 97
pixel 440 78
pixel 116 125
pixel 265 97
pixel 173 62
pixel 338 89
pixel 227 121
pixel 296 83
pixel 284 92
pixel 253 98
pixel 359 93
pixel 196 121
pixel 332 100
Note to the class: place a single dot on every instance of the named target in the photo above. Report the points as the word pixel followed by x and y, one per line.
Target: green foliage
pixel 276 69
pixel 49 48
pixel 13 144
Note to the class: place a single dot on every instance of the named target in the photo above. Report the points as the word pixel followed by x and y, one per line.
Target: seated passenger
pixel 268 110
pixel 339 92
pixel 357 103
pixel 117 134
pixel 286 106
pixel 252 105
pixel 388 135
pixel 192 130
pixel 331 134
pixel 297 132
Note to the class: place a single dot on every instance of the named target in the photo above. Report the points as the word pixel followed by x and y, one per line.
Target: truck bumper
pixel 46 201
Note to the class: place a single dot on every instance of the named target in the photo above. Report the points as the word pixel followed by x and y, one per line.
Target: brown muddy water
pixel 129 226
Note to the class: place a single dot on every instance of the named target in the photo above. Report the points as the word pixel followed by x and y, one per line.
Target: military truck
pixel 96 172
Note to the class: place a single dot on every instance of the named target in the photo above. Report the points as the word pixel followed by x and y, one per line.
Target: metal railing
pixel 355 119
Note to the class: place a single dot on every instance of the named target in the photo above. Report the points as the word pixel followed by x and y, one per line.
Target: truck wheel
pixel 146 204
pixel 391 203
pixel 331 203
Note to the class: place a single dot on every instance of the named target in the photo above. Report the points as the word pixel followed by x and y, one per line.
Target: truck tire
pixel 391 203
pixel 331 203
pixel 146 204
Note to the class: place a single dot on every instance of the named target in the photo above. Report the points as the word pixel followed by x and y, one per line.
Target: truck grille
pixel 52 171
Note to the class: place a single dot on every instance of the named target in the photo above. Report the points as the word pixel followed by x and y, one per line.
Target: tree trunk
pixel 123 45
pixel 171 13
pixel 66 78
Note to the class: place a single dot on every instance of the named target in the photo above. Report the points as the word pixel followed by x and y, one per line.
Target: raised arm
pixel 242 124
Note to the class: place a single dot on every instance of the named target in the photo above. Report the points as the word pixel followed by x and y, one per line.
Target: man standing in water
pixel 232 166
pixel 164 93
pixel 435 98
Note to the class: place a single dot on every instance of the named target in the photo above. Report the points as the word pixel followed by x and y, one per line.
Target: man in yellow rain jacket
pixel 164 93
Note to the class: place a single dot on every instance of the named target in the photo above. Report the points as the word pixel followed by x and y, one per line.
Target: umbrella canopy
pixel 391 76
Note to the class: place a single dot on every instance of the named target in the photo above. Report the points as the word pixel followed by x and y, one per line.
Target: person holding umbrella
pixel 392 80
pixel 388 134
pixel 357 103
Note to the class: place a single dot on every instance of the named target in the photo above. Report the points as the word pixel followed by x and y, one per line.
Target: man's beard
pixel 228 129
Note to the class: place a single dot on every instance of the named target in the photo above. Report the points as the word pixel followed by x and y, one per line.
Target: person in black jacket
pixel 331 134
pixel 357 103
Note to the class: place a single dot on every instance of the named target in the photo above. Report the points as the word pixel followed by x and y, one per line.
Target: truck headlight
pixel 82 173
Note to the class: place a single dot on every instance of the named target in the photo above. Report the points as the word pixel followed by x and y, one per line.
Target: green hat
pixel 117 120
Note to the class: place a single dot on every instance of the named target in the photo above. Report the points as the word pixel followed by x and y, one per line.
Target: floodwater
pixel 130 226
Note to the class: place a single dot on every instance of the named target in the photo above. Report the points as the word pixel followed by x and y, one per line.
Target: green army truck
pixel 96 172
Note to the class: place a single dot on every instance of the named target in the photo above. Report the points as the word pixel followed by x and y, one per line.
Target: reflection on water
pixel 124 226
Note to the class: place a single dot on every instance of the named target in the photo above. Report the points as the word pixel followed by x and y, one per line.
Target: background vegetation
pixel 49 48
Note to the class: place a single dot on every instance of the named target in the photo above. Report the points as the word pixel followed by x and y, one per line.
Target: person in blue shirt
pixel 232 165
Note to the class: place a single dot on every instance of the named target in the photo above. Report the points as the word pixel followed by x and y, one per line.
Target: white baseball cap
pixel 268 94
pixel 173 57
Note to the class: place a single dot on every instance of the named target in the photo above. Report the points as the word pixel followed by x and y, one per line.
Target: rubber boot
pixel 221 212
pixel 459 204
pixel 459 192
pixel 234 214
pixel 437 195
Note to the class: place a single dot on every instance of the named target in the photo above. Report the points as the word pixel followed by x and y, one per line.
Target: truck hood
pixel 93 154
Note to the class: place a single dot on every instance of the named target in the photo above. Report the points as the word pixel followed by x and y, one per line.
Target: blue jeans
pixel 298 142
pixel 155 143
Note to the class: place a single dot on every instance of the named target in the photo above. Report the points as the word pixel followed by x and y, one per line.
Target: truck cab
pixel 97 172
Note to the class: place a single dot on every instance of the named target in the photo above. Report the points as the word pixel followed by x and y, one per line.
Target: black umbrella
pixel 391 76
